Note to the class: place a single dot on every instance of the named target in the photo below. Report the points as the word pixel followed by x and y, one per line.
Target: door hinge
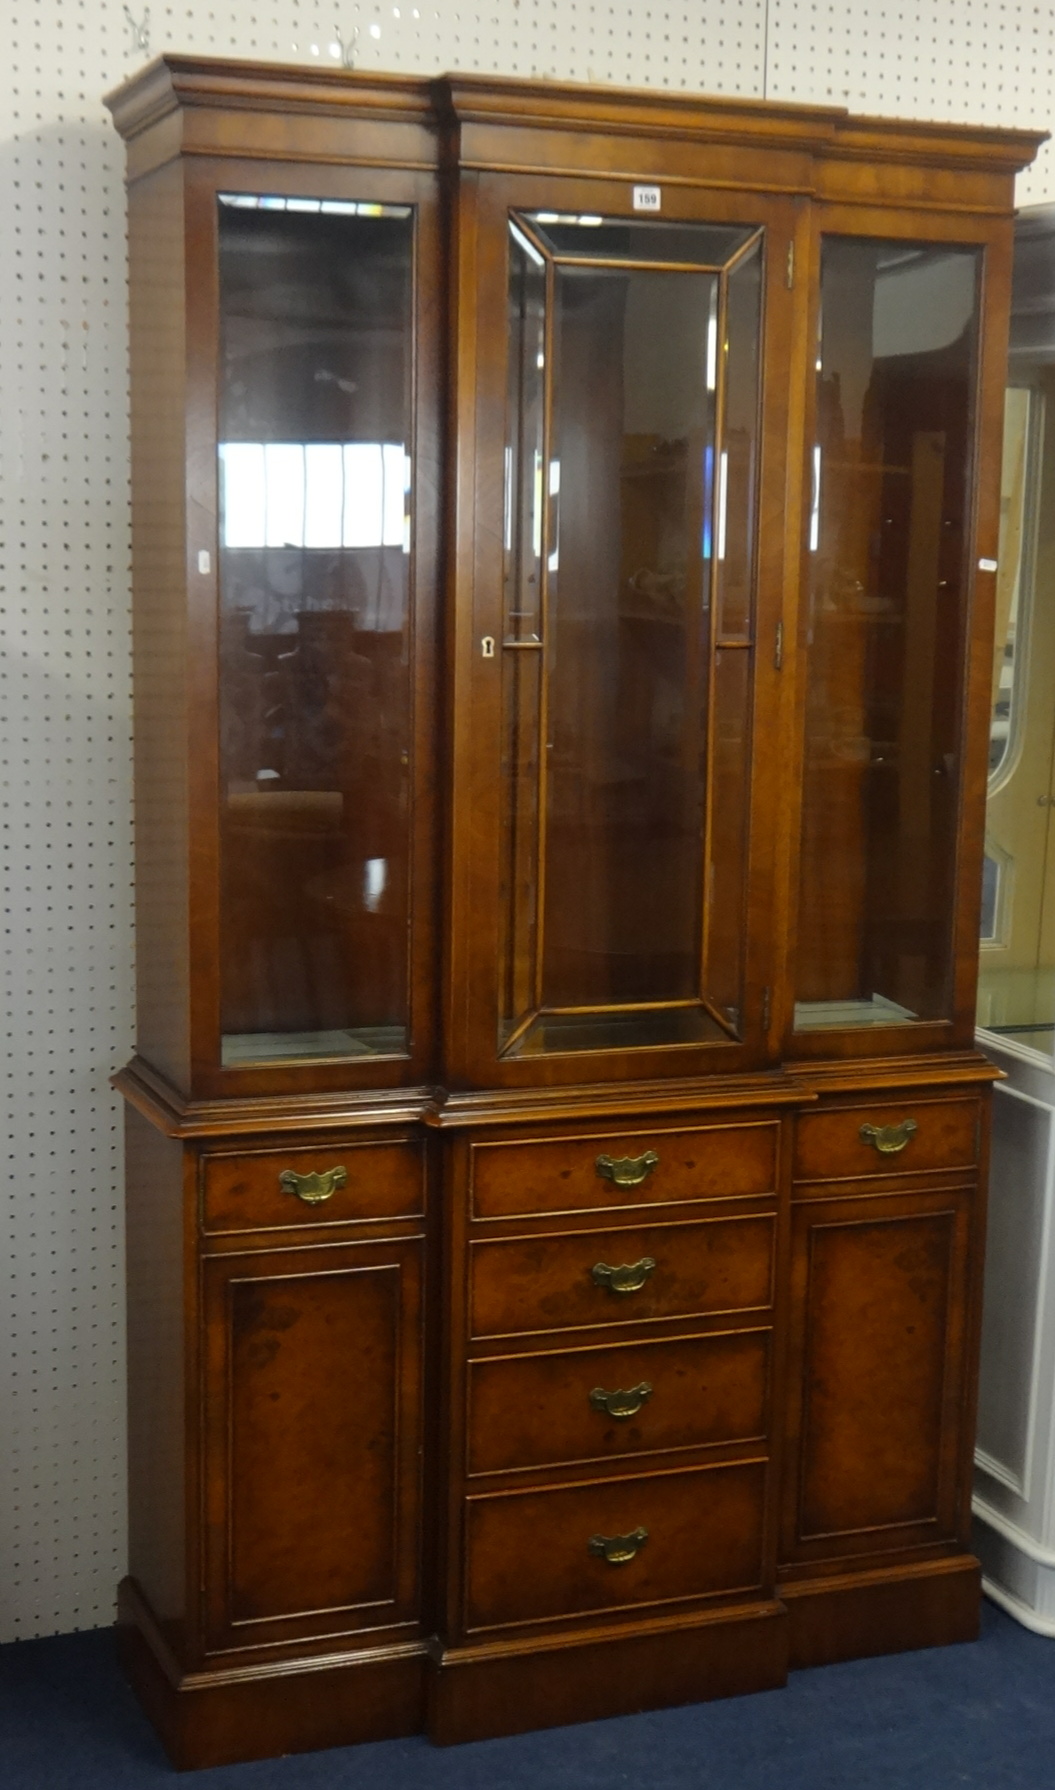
pixel 791 265
pixel 778 648
pixel 765 1010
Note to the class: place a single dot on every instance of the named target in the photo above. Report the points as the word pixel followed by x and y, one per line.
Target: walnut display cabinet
pixel 564 526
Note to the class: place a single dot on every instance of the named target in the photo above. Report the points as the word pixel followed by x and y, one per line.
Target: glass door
pixel 630 518
pixel 888 577
pixel 315 686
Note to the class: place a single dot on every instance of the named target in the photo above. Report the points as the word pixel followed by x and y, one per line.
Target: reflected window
pixel 314 494
pixel 995 883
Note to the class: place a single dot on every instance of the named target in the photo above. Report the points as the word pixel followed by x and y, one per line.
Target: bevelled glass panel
pixel 314 678
pixel 887 602
pixel 522 623
pixel 638 239
pixel 727 832
pixel 737 525
pixel 613 532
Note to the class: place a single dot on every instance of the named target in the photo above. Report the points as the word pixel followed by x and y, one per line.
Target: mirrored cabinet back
pixel 564 547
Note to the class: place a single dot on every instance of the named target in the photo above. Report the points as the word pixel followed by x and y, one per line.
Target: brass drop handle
pixel 630 1278
pixel 621 1405
pixel 627 1171
pixel 889 1139
pixel 313 1188
pixel 618 1549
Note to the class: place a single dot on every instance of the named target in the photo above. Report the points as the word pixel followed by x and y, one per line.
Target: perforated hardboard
pixel 64 585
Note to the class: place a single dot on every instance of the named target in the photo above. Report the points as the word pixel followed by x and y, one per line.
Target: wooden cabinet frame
pixel 279 1225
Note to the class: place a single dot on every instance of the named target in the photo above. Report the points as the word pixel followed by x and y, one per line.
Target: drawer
pixel 614 1544
pixel 839 1143
pixel 636 1168
pixel 580 1278
pixel 616 1402
pixel 377 1180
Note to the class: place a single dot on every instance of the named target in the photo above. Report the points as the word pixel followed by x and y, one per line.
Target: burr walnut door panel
pixel 312 1397
pixel 879 1373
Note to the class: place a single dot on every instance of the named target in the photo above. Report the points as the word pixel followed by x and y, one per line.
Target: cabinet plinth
pixel 556 1150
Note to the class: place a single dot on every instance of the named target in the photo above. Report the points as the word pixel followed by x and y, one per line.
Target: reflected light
pixel 375 879
pixel 815 504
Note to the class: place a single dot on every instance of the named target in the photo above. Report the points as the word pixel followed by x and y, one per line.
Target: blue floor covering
pixel 981 1715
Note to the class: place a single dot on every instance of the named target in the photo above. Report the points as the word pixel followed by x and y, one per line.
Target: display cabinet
pixel 564 545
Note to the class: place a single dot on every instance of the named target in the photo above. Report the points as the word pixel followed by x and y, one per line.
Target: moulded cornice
pixel 549 105
pixel 824 132
pixel 172 82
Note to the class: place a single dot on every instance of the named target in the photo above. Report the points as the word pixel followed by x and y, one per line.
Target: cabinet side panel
pixel 156 1470
pixel 155 226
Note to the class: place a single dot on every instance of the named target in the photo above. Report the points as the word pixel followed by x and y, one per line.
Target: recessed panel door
pixel 312 1457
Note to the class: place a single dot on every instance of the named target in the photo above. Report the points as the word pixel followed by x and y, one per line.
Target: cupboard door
pixel 879 1373
pixel 628 443
pixel 312 1397
pixel 314 343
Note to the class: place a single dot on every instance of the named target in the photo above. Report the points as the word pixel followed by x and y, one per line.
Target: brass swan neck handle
pixel 618 1549
pixel 627 1171
pixel 889 1140
pixel 619 1404
pixel 629 1278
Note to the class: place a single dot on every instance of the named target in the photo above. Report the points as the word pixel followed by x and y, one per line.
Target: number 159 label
pixel 648 198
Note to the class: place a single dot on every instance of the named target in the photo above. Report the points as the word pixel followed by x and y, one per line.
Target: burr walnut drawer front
pixel 550 1410
pixel 626 1169
pixel 536 1556
pixel 886 1138
pixel 324 1184
pixel 574 1279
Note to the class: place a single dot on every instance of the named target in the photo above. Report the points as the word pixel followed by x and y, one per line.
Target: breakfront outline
pixel 564 536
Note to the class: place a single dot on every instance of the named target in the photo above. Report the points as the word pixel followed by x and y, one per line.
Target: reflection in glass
pixel 895 378
pixel 624 728
pixel 1022 417
pixel 1016 984
pixel 314 481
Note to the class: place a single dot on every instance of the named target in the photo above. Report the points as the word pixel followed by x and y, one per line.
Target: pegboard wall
pixel 64 588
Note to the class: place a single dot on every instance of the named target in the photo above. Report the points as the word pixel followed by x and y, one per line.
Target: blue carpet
pixel 980 1715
